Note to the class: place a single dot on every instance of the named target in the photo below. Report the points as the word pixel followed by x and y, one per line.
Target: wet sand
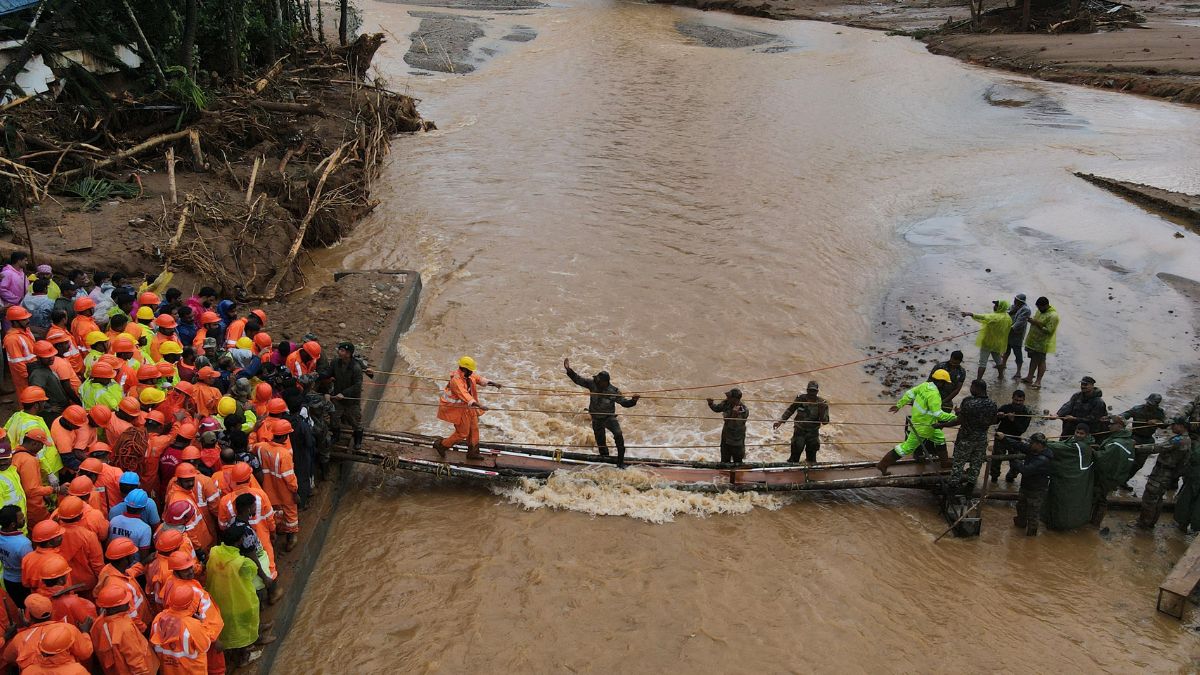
pixel 1161 59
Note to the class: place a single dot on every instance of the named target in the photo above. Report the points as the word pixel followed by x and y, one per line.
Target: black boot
pixel 358 439
pixel 334 435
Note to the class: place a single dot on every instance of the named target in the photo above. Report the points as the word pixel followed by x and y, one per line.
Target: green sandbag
pixel 1068 502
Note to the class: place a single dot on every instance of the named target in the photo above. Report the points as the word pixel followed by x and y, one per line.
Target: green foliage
pixel 95 190
pixel 182 89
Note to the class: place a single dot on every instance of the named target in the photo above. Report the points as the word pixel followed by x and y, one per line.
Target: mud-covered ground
pixel 1162 58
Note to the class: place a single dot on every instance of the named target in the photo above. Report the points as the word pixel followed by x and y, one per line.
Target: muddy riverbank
pixel 1160 59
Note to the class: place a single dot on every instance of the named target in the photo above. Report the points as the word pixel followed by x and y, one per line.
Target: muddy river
pixel 684 199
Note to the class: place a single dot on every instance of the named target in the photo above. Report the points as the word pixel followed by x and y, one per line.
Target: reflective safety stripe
pixel 21 359
pixel 287 473
pixel 11 494
pixel 185 653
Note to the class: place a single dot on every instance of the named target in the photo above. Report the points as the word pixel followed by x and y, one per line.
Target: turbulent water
pixel 686 198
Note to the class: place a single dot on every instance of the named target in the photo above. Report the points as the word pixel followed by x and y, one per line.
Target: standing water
pixel 684 198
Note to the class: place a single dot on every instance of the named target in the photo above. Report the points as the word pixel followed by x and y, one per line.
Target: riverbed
pixel 683 199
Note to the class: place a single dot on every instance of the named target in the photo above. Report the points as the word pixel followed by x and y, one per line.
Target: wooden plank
pixel 1174 591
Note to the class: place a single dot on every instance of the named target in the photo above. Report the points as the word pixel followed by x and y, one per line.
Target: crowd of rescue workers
pixel 1065 481
pixel 161 449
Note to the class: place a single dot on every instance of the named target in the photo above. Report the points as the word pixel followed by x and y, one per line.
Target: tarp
pixel 1068 502
pixel 10 6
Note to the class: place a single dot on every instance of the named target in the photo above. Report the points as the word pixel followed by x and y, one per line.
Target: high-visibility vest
pixel 22 423
pixel 92 394
pixel 10 488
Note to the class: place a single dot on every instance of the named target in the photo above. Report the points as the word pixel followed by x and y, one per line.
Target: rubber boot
pixel 889 459
pixel 358 439
pixel 940 451
pixel 290 542
pixel 473 452
pixel 441 449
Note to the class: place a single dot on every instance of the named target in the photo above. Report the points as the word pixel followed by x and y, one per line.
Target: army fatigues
pixel 602 405
pixel 321 412
pixel 1191 413
pixel 347 381
pixel 1143 431
pixel 1035 483
pixel 811 412
pixel 1172 458
pixel 733 430
pixel 975 415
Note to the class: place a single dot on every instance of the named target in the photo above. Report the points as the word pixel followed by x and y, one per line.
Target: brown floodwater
pixel 619 192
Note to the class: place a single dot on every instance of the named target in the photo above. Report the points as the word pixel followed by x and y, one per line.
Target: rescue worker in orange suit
pixel 460 406
pixel 189 485
pixel 183 574
pixel 166 325
pixel 46 536
pixel 83 323
pixel 120 647
pixel 182 516
pixel 72 435
pixel 53 654
pixel 166 542
pixel 123 570
pixel 80 545
pixel 18 346
pixel 204 393
pixel 179 638
pixel 105 478
pixel 22 648
pixel 279 480
pixel 28 467
pixel 95 506
pixel 68 606
pixel 210 326
pixel 262 518
pixel 304 360
pixel 65 345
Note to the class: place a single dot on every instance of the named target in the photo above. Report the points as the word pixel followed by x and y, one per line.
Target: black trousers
pixel 609 424
pixel 733 452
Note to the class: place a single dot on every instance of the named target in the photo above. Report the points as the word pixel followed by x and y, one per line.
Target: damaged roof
pixel 10 6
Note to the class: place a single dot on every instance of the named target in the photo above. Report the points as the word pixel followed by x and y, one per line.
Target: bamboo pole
pixel 171 175
pixel 253 176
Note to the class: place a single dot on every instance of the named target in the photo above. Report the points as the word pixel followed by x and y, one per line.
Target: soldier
pixel 811 412
pixel 602 406
pixel 976 413
pixel 1172 454
pixel 1035 479
pixel 1014 419
pixel 1191 414
pixel 733 429
pixel 1085 406
pixel 1147 418
pixel 347 376
pixel 321 412
pixel 958 376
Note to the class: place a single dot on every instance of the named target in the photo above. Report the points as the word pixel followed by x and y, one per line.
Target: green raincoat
pixel 1187 502
pixel 1068 503
pixel 1114 460
pixel 1043 339
pixel 996 327
pixel 230 581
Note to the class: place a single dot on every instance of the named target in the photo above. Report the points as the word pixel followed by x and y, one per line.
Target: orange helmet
pixel 156 416
pixel 120 547
pixel 45 531
pixel 91 465
pixel 147 373
pixel 182 597
pixel 262 340
pixel 37 435
pixel 101 415
pixel 38 606
pixel 57 335
pixel 75 414
pixel 103 370
pixel 185 471
pixel 43 349
pixel 277 406
pixel 83 304
pixel 165 369
pixel 32 395
pixel 263 392
pixel 207 373
pixel 179 560
pixel 281 427
pixel 149 298
pixel 187 430
pixel 209 318
pixel 165 321
pixel 122 344
pixel 241 473
pixel 184 387
pixel 313 348
pixel 80 486
pixel 17 313
pixel 54 566
pixel 189 453
pixel 115 595
pixel 130 406
pixel 56 639
pixel 262 317
pixel 168 541
pixel 71 506
pixel 98 447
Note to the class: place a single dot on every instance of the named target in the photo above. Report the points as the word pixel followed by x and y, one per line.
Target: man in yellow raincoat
pixel 927 418
pixel 993 335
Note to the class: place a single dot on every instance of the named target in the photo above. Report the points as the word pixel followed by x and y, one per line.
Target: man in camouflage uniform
pixel 1191 413
pixel 1172 458
pixel 976 413
pixel 811 412
pixel 1147 418
pixel 1035 479
pixel 320 413
pixel 733 429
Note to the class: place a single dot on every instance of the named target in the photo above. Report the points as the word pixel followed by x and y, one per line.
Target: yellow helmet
pixel 467 362
pixel 144 313
pixel 941 374
pixel 94 337
pixel 170 347
pixel 151 396
pixel 244 343
pixel 226 406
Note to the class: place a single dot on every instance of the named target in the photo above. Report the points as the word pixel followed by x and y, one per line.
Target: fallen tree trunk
pixel 193 134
